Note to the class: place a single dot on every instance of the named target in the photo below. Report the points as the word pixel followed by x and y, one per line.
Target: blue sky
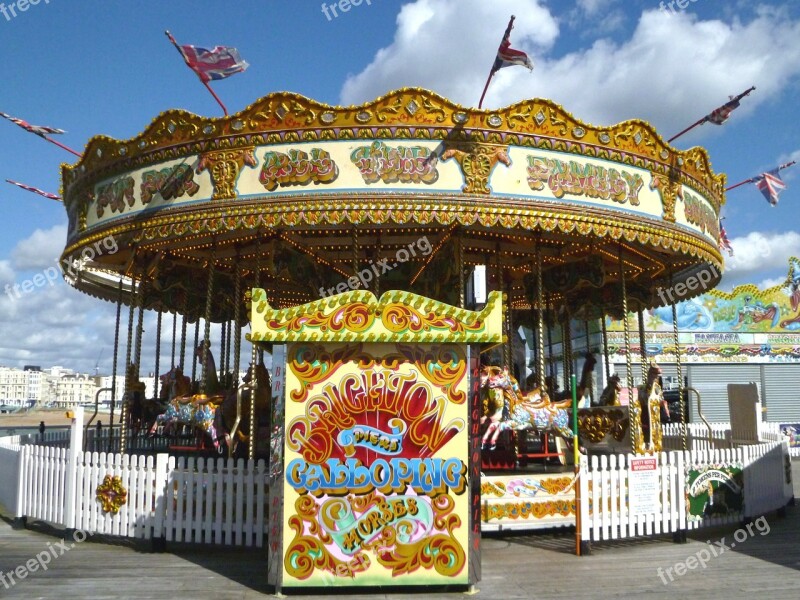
pixel 105 67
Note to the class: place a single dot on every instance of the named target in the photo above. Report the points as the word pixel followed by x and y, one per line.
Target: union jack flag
pixel 724 242
pixel 770 184
pixel 508 56
pixel 721 114
pixel 217 63
pixel 39 130
pixel 35 190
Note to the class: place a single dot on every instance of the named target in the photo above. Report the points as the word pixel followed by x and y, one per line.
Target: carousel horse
pixel 133 398
pixel 496 405
pixel 533 412
pixel 233 424
pixel 176 391
pixel 649 393
pixel 212 386
pixel 610 395
pixel 585 383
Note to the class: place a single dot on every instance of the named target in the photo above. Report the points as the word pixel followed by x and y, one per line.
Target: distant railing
pixel 718 436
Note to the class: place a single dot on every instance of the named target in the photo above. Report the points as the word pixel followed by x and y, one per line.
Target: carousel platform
pixel 514 566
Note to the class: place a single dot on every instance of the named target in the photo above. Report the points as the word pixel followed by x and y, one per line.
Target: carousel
pixel 386 257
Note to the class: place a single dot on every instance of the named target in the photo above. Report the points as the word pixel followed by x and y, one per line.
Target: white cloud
pixel 428 51
pixel 596 17
pixel 40 250
pixel 771 282
pixel 790 173
pixel 760 256
pixel 594 7
pixel 6 273
pixel 672 70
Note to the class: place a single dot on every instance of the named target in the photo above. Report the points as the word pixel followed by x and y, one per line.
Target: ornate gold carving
pixel 225 167
pixel 669 190
pixel 527 510
pixel 477 164
pixel 111 494
pixel 402 317
pixel 280 117
pixel 656 434
pixel 594 424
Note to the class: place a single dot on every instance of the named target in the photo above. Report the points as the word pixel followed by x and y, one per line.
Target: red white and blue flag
pixel 724 242
pixel 35 190
pixel 40 130
pixel 721 114
pixel 508 56
pixel 770 184
pixel 215 63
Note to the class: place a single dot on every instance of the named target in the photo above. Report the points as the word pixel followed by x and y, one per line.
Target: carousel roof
pixel 300 197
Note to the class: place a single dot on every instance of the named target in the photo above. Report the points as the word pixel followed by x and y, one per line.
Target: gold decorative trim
pixel 401 114
pixel 407 211
pixel 225 166
pixel 359 316
pixel 111 494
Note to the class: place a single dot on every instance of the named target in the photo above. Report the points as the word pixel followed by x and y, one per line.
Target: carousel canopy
pixel 306 200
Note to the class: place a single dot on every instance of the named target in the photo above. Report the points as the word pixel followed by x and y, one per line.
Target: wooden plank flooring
pixel 515 566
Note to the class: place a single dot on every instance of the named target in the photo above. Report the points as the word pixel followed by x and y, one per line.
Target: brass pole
pixel 114 368
pixel 158 353
pixel 183 334
pixel 633 405
pixel 194 348
pixel 605 348
pixel 207 331
pixel 174 336
pixel 128 370
pixel 540 307
pixel 460 266
pixel 355 251
pixel 237 316
pixel 507 324
pixel 642 347
pixel 676 337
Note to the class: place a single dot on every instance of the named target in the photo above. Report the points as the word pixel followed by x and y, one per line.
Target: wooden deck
pixel 514 566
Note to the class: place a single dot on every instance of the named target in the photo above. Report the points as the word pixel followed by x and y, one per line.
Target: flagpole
pixel 60 145
pixel 740 184
pixel 28 188
pixel 485 88
pixel 704 119
pixel 751 180
pixel 492 71
pixel 689 128
pixel 205 83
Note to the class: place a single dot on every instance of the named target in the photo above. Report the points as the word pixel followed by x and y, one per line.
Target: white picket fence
pixel 605 490
pixel 10 449
pixel 218 501
pixel 214 501
pixel 700 436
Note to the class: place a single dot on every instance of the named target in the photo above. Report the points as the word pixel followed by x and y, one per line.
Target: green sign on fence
pixel 714 491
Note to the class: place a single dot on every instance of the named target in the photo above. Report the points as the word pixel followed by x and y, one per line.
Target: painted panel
pixel 376 487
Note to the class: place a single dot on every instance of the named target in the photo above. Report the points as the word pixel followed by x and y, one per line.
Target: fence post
pixel 75 451
pixel 583 506
pixel 679 535
pixel 20 518
pixel 159 540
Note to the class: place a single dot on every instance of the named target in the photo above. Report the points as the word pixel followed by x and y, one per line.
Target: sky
pixel 95 67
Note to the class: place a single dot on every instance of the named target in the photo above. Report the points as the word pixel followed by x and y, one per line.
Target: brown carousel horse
pixel 610 394
pixel 651 393
pixel 231 421
pixel 176 390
